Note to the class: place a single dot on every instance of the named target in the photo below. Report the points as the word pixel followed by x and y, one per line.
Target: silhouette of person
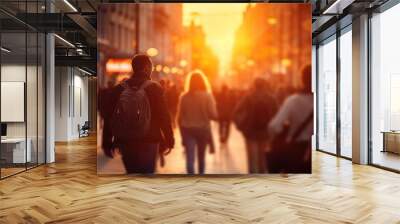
pixel 225 106
pixel 252 116
pixel 196 108
pixel 139 155
pixel 295 119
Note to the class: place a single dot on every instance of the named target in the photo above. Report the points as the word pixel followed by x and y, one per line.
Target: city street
pixel 229 45
pixel 229 159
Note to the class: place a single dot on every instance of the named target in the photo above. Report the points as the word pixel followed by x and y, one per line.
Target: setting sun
pixel 220 22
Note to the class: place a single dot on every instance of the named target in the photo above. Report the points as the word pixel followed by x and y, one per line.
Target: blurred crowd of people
pixel 276 121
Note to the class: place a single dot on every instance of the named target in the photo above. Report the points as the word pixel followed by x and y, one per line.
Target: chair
pixel 84 130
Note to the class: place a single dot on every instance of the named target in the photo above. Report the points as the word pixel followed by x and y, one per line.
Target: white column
pixel 360 90
pixel 50 99
pixel 50 92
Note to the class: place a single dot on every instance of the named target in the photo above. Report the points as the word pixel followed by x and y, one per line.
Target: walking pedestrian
pixel 252 116
pixel 139 120
pixel 196 109
pixel 225 106
pixel 291 129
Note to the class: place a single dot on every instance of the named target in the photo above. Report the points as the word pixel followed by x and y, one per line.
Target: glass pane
pixel 314 80
pixel 41 98
pixel 13 86
pixel 385 86
pixel 327 96
pixel 31 97
pixel 346 94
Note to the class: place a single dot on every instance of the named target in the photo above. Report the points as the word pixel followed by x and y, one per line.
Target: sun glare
pixel 219 22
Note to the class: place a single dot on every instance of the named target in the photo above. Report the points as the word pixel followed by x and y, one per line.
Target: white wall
pixel 80 100
pixel 71 94
pixel 33 127
pixel 12 73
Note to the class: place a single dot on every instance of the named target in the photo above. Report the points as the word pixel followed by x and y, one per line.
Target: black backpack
pixel 262 110
pixel 241 116
pixel 253 116
pixel 132 114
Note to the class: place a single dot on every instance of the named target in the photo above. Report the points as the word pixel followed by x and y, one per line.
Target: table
pixel 391 141
pixel 13 150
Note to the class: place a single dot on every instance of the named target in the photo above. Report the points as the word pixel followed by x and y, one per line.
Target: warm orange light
pixel 279 69
pixel 250 63
pixel 286 62
pixel 166 70
pixel 220 23
pixel 118 66
pixel 121 78
pixel 152 52
pixel 183 63
pixel 272 21
pixel 158 68
pixel 174 70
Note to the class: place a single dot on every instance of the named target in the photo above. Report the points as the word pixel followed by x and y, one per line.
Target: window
pixel 385 89
pixel 346 93
pixel 23 89
pixel 327 96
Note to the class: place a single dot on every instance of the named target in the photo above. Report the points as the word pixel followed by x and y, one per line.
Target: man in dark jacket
pixel 140 155
pixel 252 116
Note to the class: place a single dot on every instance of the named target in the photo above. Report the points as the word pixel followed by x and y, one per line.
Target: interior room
pixel 22 100
pixel 71 100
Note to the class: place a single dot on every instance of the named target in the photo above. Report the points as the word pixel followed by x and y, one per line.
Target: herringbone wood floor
pixel 69 191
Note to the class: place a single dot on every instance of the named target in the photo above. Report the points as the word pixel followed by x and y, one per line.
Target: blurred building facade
pixel 127 29
pixel 273 40
pixel 115 36
pixel 201 54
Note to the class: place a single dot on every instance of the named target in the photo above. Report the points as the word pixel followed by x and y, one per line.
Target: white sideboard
pixel 16 148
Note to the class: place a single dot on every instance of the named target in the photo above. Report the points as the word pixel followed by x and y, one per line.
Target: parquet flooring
pixel 10 171
pixel 69 191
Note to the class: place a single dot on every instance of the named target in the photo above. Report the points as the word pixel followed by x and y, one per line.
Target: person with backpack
pixel 196 109
pixel 138 122
pixel 252 116
pixel 291 130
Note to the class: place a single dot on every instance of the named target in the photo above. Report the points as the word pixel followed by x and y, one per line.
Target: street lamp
pixel 152 52
pixel 286 62
pixel 183 63
pixel 272 21
pixel 250 63
pixel 166 69
pixel 158 68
